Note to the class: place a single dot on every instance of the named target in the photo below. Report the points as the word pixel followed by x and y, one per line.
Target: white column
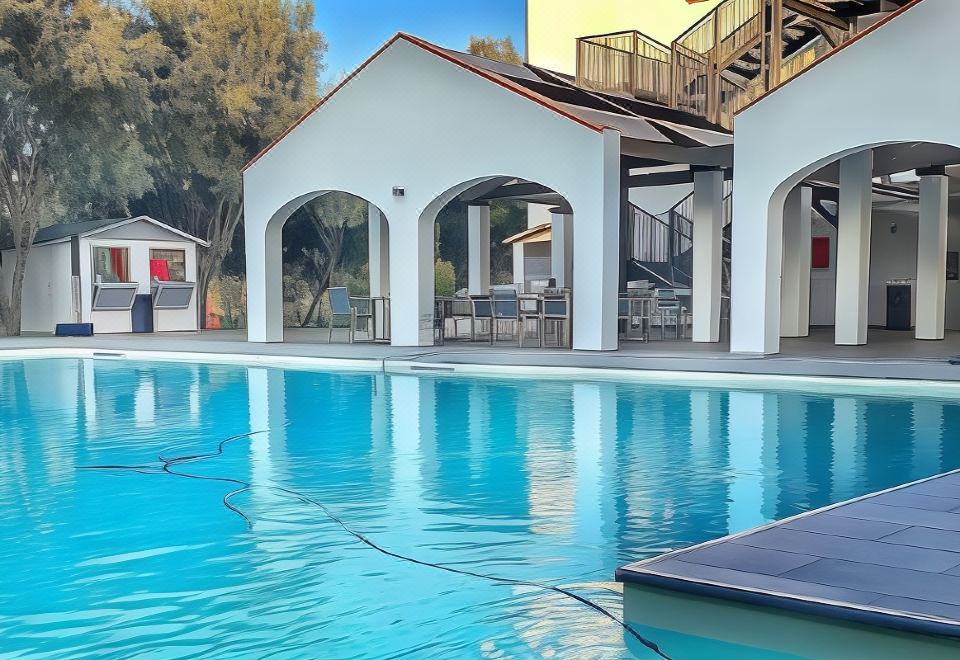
pixel 378 242
pixel 853 248
pixel 795 285
pixel 707 254
pixel 411 271
pixel 264 280
pixel 561 248
pixel 757 251
pixel 519 271
pixel 379 249
pixel 931 289
pixel 597 252
pixel 478 249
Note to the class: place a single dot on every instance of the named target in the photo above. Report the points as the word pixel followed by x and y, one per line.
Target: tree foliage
pixel 74 84
pixel 495 49
pixel 329 218
pixel 236 73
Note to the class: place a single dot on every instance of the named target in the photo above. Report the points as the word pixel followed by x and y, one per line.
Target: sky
pixel 354 29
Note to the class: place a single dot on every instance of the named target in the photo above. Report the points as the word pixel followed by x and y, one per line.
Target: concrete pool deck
pixel 889 559
pixel 889 355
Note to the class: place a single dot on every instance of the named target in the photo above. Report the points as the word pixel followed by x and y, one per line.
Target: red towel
pixel 160 270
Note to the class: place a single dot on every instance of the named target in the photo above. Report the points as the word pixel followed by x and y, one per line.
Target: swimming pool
pixel 554 481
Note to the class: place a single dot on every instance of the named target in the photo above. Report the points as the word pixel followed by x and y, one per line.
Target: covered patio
pixel 418 126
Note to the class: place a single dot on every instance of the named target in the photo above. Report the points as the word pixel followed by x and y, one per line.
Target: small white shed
pixel 106 272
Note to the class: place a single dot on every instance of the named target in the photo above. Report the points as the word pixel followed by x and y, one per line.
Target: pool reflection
pixel 558 481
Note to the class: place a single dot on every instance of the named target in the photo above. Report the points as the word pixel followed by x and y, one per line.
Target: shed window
pixel 168 265
pixel 111 264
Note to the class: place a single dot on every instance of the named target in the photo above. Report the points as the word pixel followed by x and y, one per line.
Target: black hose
pixel 166 465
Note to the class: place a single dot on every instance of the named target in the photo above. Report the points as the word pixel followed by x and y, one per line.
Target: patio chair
pixel 668 310
pixel 481 312
pixel 555 310
pixel 506 309
pixel 353 308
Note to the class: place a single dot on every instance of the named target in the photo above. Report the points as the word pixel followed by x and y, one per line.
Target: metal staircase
pixel 661 246
pixel 733 55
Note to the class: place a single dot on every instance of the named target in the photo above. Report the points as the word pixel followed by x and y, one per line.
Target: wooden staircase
pixel 736 53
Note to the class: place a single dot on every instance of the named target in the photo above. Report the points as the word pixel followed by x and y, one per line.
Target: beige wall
pixel 554 25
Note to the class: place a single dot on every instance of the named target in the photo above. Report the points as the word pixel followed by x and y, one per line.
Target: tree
pixel 236 74
pixel 73 96
pixel 495 49
pixel 330 216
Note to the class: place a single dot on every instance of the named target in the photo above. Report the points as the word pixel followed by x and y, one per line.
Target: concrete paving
pixel 887 355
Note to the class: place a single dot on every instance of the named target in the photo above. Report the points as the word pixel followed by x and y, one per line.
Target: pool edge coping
pixel 415 365
pixel 914 622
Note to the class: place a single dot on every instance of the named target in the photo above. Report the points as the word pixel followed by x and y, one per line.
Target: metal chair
pixel 555 309
pixel 668 308
pixel 354 309
pixel 506 309
pixel 481 311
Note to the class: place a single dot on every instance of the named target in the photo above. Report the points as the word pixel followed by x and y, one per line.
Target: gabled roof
pixel 64 232
pixel 634 119
pixel 538 234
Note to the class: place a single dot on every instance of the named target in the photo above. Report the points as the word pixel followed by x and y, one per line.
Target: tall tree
pixel 237 73
pixel 73 95
pixel 495 49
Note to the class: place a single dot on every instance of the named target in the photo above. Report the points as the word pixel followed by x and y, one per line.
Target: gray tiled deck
pixel 890 559
pixel 887 355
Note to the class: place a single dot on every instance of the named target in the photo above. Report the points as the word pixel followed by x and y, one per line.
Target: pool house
pixel 690 192
pixel 108 276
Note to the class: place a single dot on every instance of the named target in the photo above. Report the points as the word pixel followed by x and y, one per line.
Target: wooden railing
pixel 692 74
pixel 627 62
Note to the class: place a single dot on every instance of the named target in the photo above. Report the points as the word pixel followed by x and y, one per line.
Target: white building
pixel 832 189
pixel 93 272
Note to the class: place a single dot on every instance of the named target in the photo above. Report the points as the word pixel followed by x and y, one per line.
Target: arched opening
pixel 502 237
pixel 331 247
pixel 869 248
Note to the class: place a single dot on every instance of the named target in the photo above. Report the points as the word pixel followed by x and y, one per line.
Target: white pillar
pixel 378 243
pixel 853 248
pixel 561 248
pixel 757 251
pixel 411 272
pixel 931 289
pixel 795 285
pixel 478 249
pixel 519 270
pixel 597 252
pixel 707 254
pixel 378 232
pixel 264 279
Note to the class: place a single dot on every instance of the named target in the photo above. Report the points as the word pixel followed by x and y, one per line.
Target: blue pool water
pixel 551 481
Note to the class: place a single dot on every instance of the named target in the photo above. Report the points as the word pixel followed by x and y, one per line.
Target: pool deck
pixel 887 356
pixel 889 559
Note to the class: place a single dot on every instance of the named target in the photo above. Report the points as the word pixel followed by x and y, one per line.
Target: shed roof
pixel 62 232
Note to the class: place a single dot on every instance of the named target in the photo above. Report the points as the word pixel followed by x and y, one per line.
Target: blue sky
pixel 354 29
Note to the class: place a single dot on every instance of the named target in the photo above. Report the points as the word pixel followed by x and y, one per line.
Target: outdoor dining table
pixel 531 306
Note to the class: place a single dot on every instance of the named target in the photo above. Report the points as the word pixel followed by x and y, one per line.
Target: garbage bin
pixel 898 305
pixel 142 313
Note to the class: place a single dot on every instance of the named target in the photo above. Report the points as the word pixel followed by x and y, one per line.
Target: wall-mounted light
pixel 398 191
pixel 893 227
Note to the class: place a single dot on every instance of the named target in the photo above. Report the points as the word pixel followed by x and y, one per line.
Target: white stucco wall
pixel 46 286
pixel 164 320
pixel 781 139
pixel 397 123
